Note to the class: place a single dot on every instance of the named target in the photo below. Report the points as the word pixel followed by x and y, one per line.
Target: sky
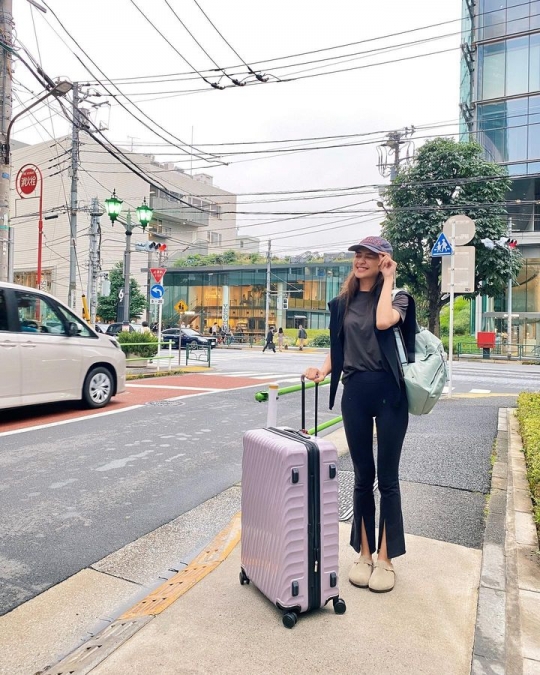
pixel 420 87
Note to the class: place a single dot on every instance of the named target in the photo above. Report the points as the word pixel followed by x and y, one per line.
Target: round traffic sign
pixel 157 291
pixel 26 181
pixel 463 229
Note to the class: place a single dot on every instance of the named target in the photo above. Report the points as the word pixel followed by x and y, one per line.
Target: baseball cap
pixel 375 244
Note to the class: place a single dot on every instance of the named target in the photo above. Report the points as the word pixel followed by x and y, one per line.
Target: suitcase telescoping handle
pixel 303 380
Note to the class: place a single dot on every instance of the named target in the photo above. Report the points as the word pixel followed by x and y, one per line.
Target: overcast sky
pixel 418 91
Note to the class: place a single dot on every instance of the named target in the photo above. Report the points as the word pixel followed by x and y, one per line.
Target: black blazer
pixel 385 338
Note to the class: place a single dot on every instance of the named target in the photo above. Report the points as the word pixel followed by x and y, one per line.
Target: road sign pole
pixel 159 317
pixel 451 318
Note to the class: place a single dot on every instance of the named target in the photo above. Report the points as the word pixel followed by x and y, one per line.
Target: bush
pixel 312 334
pixel 529 424
pixel 144 345
pixel 322 340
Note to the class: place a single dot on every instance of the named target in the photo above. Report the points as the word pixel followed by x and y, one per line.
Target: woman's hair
pixel 351 286
pixel 280 330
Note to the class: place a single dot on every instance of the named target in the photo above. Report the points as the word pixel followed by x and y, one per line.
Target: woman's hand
pixel 387 266
pixel 314 374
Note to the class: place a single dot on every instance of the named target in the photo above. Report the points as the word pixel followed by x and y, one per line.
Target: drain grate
pixel 346 488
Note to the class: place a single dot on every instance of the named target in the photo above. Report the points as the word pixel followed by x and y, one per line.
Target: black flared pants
pixel 368 395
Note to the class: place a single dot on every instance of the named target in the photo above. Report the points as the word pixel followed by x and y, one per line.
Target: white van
pixel 48 353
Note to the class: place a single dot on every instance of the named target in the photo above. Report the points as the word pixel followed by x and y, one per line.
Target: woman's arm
pixel 386 315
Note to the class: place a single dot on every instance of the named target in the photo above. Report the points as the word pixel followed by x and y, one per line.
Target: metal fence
pixel 520 352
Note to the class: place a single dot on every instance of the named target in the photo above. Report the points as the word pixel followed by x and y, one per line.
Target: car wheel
pixel 98 387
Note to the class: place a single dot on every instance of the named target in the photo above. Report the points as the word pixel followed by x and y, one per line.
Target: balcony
pixel 172 210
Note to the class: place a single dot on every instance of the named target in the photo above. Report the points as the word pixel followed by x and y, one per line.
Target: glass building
pixel 500 108
pixel 236 296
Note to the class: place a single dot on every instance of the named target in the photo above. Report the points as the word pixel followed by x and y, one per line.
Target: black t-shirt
pixel 361 348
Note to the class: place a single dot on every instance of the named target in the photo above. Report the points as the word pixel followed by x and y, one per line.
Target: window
pixel 517 66
pixel 492 70
pixel 3 312
pixel 83 330
pixel 36 315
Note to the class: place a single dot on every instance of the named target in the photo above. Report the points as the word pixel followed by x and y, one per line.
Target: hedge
pixel 144 345
pixel 528 413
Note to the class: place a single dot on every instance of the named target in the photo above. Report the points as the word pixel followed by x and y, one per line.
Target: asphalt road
pixel 73 493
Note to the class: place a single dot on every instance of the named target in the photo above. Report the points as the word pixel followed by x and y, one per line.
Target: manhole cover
pixel 166 403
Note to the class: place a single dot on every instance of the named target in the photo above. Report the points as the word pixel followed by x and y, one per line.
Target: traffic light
pixel 150 246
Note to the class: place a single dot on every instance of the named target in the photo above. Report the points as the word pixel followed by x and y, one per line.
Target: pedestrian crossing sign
pixel 441 247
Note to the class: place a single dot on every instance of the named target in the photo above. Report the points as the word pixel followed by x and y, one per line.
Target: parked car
pixel 189 336
pixel 115 328
pixel 48 353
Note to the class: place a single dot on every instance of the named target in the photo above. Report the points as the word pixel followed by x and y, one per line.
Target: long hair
pixel 351 287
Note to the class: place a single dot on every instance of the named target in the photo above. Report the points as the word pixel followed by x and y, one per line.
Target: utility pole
pixel 391 150
pixel 268 273
pixel 73 207
pixel 6 26
pixel 93 263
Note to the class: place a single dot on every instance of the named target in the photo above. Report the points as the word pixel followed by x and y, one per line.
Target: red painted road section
pixel 138 392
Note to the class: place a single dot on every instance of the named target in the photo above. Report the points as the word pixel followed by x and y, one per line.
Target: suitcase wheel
pixel 339 606
pixel 243 578
pixel 290 619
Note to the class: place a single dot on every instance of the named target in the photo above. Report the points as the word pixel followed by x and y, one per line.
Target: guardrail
pixel 149 359
pixel 197 353
pixel 519 352
pixel 274 392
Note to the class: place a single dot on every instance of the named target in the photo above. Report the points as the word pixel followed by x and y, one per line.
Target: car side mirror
pixel 73 329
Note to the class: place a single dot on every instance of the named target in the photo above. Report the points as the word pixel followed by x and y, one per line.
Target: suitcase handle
pixel 303 380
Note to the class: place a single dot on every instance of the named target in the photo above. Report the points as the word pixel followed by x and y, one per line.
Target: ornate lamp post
pixel 144 215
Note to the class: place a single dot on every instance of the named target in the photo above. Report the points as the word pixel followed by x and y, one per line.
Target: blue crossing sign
pixel 157 291
pixel 441 247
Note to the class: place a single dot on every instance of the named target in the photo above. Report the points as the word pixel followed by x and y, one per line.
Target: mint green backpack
pixel 426 377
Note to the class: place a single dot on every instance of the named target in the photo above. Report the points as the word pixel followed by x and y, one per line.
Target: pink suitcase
pixel 290 520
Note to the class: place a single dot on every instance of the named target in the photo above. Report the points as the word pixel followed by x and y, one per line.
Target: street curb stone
pixel 506 638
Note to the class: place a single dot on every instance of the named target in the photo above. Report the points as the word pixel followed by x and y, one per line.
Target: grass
pixel 528 413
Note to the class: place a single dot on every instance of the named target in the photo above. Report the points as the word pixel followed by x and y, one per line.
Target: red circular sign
pixel 27 181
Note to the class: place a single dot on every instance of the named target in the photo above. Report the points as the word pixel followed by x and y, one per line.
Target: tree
pixel 107 305
pixel 446 179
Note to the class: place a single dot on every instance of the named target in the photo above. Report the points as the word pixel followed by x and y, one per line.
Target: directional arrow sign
pixel 441 247
pixel 157 291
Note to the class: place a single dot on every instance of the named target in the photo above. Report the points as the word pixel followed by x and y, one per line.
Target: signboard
pixel 180 307
pixel 158 273
pixel 157 291
pixel 441 247
pixel 156 301
pixel 464 267
pixel 464 229
pixel 26 181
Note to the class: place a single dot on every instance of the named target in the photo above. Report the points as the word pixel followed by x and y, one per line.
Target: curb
pixel 93 652
pixel 507 624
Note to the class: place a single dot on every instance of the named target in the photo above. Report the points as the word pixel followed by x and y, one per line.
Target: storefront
pixel 236 296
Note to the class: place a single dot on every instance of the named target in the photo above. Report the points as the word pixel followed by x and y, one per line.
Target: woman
pixel 280 339
pixel 363 347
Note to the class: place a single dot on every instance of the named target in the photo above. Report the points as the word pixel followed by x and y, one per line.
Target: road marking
pixel 69 421
pixel 480 391
pixel 172 386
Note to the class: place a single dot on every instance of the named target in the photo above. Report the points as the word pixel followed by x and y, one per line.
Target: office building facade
pixel 500 108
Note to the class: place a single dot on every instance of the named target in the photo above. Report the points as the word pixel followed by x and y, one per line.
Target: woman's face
pixel 366 264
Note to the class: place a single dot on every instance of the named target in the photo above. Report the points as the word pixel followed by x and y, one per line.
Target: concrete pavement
pixel 429 624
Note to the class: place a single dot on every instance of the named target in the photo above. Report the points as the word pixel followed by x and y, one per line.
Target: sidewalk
pixel 455 610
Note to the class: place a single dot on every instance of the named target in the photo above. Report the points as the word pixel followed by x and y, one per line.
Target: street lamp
pixel 144 215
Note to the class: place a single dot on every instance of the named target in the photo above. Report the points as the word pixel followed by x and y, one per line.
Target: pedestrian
pixel 270 341
pixel 215 329
pixel 280 339
pixel 302 335
pixel 363 348
pixel 145 327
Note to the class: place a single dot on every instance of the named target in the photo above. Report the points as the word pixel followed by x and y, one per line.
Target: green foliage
pixel 144 345
pixel 106 307
pixel 227 258
pixel 322 340
pixel 462 317
pixel 291 335
pixel 425 195
pixel 528 413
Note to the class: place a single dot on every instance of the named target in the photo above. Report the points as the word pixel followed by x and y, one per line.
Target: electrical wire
pixel 130 112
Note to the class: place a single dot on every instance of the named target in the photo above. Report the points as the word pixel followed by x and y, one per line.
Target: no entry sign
pixel 27 180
